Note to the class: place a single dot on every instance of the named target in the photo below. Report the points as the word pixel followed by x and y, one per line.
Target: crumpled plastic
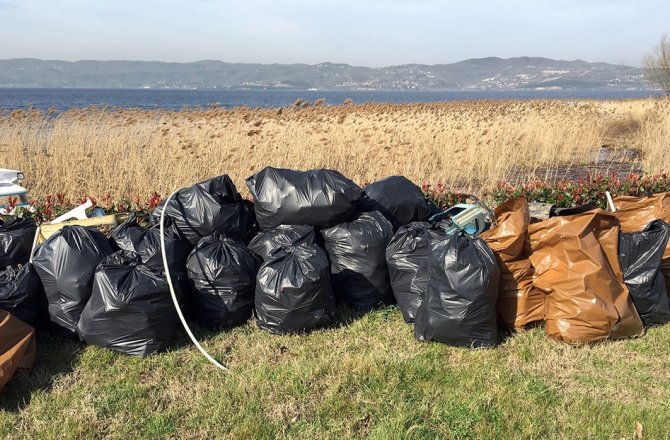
pixel 398 199
pixel 459 307
pixel 293 290
pixel 640 254
pixel 357 252
pixel 16 241
pixel 407 259
pixel 66 263
pixel 222 275
pixel 519 302
pixel 146 242
pixel 130 310
pixel 321 198
pixel 266 242
pixel 213 205
pixel 577 265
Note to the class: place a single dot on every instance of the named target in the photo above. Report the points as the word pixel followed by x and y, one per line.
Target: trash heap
pixel 312 243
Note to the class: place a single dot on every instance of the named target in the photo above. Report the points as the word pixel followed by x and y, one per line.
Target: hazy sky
pixel 371 33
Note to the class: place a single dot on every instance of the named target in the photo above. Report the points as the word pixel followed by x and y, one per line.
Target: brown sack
pixel 576 264
pixel 508 237
pixel 635 213
pixel 519 302
pixel 17 347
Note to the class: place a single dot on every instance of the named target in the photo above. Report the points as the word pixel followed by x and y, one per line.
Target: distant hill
pixel 521 73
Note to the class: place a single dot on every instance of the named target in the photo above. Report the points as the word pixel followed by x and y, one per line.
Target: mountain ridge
pixel 489 73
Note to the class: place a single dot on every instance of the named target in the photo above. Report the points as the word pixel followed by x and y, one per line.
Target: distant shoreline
pixel 308 106
pixel 490 73
pixel 313 90
pixel 62 99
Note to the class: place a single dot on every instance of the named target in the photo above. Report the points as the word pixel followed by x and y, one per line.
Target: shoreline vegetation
pixel 467 146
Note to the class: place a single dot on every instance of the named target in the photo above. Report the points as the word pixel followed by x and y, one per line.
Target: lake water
pixel 63 99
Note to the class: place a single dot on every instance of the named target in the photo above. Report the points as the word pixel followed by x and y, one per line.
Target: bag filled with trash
pixel 130 310
pixel 641 254
pixel 17 347
pixel 293 290
pixel 321 198
pixel 520 303
pixel 459 307
pixel 407 259
pixel 16 241
pixel 398 199
pixel 636 213
pixel 576 263
pixel 21 294
pixel 146 242
pixel 357 252
pixel 222 276
pixel 210 206
pixel 66 263
pixel 266 242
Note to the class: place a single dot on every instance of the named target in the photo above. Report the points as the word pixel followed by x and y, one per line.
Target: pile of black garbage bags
pixel 310 245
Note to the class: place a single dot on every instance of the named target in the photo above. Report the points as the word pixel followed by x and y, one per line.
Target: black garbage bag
pixel 407 258
pixel 640 254
pixel 357 252
pixel 130 310
pixel 266 242
pixel 320 198
pixel 16 241
pixel 293 290
pixel 207 207
pixel 555 211
pixel 222 276
pixel 146 243
pixel 459 307
pixel 21 294
pixel 66 263
pixel 400 200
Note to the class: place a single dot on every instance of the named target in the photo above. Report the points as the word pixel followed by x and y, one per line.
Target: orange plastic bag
pixel 635 213
pixel 17 347
pixel 519 302
pixel 577 265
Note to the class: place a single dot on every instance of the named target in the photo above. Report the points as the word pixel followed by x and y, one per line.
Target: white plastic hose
pixel 174 295
pixel 610 202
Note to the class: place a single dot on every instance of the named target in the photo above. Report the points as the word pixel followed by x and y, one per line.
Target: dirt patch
pixel 607 161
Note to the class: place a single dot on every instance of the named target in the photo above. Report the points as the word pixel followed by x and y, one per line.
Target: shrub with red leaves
pixel 565 194
pixel 568 194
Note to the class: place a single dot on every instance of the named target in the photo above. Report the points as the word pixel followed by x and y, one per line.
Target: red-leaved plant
pixel 563 194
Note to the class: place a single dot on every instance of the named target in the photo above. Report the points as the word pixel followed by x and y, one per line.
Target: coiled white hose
pixel 174 295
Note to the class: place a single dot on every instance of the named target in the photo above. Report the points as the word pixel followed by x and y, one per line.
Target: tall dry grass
pixel 466 145
pixel 654 137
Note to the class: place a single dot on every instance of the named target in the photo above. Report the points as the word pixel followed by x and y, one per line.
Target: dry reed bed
pixel 467 145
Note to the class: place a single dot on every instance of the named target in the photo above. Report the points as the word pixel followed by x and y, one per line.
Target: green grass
pixel 368 378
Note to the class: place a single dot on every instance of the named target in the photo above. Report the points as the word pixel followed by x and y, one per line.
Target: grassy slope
pixel 366 378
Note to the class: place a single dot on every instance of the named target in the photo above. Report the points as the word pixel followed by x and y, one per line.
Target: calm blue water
pixel 62 99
